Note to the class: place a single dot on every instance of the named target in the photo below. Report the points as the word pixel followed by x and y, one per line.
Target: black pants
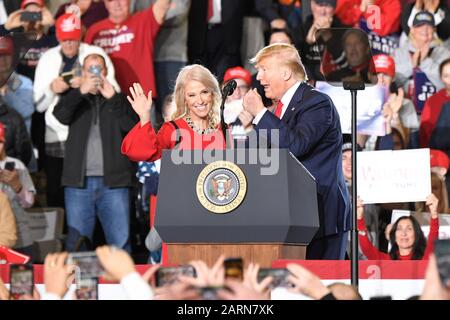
pixel 328 248
pixel 55 192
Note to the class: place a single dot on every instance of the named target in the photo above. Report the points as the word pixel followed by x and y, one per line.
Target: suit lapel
pixel 294 104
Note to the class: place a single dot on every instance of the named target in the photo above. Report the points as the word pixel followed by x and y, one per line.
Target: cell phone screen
pixel 442 252
pixel 21 280
pixel 87 289
pixel 169 275
pixel 87 265
pixel 10 166
pixel 30 16
pixel 234 268
pixel 67 76
pixel 279 277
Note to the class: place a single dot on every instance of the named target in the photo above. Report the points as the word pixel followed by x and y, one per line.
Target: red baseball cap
pixel 384 64
pixel 2 132
pixel 6 46
pixel 68 27
pixel 438 158
pixel 40 3
pixel 238 73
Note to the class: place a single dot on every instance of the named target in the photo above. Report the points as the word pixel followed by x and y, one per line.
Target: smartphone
pixel 87 289
pixel 29 16
pixel 21 280
pixel 96 70
pixel 67 76
pixel 169 275
pixel 10 166
pixel 234 268
pixel 279 276
pixel 87 265
pixel 442 252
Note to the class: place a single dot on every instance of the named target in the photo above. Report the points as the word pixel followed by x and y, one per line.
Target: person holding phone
pixel 16 183
pixel 96 176
pixel 49 86
pixel 33 16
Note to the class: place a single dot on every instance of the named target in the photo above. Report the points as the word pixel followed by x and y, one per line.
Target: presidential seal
pixel 221 187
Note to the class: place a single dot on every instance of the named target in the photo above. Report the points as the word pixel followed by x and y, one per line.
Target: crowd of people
pixel 107 85
pixel 209 282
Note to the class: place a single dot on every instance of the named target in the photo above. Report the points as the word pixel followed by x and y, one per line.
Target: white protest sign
pixel 394 176
pixel 369 108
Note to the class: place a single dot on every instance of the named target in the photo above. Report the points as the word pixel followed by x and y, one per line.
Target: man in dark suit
pixel 215 31
pixel 309 127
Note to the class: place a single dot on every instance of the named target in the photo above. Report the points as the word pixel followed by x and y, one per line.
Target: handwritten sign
pixel 394 176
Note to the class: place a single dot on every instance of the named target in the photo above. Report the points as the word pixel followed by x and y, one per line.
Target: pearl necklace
pixel 191 124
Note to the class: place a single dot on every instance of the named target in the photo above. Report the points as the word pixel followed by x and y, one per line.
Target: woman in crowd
pixel 16 183
pixel 195 123
pixel 406 237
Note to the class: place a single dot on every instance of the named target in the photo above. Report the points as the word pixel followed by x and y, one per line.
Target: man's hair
pixel 95 56
pixel 287 55
pixel 342 291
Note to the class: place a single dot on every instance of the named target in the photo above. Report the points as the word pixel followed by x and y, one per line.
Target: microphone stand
pixel 353 87
pixel 227 91
pixel 223 125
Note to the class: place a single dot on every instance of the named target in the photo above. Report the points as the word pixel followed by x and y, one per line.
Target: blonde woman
pixel 195 123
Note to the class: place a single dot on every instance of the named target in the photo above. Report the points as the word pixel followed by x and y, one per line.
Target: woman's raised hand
pixel 141 103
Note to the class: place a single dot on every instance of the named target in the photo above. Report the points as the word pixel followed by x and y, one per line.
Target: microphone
pixel 227 91
pixel 229 88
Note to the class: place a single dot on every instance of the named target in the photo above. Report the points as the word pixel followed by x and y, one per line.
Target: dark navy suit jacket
pixel 311 130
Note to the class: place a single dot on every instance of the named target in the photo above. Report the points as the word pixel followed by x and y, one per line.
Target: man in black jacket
pixel 96 175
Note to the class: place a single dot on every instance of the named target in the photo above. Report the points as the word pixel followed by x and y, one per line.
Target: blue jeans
pixel 110 205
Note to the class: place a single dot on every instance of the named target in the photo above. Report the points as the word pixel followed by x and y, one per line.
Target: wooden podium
pixel 276 218
pixel 263 254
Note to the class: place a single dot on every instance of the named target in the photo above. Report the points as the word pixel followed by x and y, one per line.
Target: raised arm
pixel 160 9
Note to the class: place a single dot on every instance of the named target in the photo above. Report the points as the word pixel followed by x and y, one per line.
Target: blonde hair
pixel 287 55
pixel 201 74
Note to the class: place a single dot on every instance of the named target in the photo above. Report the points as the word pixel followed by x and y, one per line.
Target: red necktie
pixel 210 10
pixel 279 109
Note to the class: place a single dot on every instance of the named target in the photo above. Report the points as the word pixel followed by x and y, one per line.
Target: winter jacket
pixel 116 118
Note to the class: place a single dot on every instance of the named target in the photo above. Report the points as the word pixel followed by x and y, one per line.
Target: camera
pixel 67 76
pixel 279 277
pixel 169 275
pixel 28 16
pixel 96 70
